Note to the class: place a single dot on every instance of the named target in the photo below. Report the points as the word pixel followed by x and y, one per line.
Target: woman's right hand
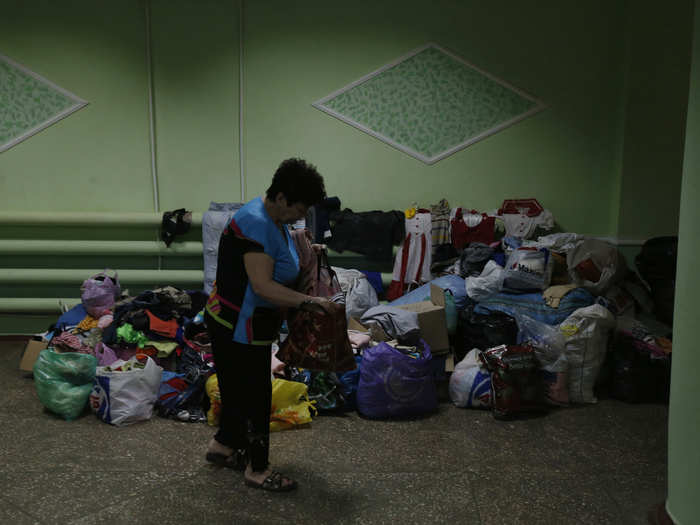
pixel 317 304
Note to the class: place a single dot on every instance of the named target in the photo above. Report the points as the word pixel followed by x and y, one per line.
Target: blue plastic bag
pixel 350 382
pixel 393 384
pixel 454 283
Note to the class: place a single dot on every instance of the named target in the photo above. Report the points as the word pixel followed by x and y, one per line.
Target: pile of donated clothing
pixel 535 319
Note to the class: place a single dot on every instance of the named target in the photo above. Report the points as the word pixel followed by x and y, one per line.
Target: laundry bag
pixel 63 381
pixel 470 383
pixel 394 384
pixel 528 269
pixel 125 392
pixel 318 341
pixel 549 345
pixel 212 389
pixel 290 405
pixel 359 298
pixel 99 292
pixel 516 383
pixel 586 332
pixel 596 265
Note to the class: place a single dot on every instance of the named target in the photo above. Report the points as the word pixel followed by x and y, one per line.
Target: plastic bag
pixel 63 381
pixel 485 331
pixel 596 265
pixel 125 392
pixel 453 283
pixel 318 341
pixel 214 412
pixel 586 332
pixel 470 383
pixel 528 269
pixel 488 283
pixel 549 345
pixel 359 298
pixel 516 384
pixel 99 292
pixel 394 384
pixel 290 405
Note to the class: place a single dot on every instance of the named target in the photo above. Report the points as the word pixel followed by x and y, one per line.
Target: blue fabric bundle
pixel 453 283
pixel 533 305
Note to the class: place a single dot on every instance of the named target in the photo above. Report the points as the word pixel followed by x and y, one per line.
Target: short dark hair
pixel 298 181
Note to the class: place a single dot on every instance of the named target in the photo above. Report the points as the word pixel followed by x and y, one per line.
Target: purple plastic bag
pixel 104 354
pixel 99 292
pixel 393 384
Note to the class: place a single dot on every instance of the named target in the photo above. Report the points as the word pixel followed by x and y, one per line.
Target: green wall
pixel 570 55
pixel 656 85
pixel 195 75
pixel 593 156
pixel 98 158
pixel 684 418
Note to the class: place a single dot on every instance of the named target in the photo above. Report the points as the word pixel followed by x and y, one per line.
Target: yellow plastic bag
pixel 290 405
pixel 214 412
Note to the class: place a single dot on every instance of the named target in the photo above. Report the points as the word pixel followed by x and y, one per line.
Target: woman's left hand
pixel 318 248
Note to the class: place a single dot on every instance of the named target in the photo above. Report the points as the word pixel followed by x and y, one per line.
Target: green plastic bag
pixel 64 380
pixel 450 311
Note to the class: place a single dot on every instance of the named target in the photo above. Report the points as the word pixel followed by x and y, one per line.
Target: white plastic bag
pixel 360 297
pixel 346 276
pixel 586 332
pixel 595 257
pixel 470 383
pixel 528 269
pixel 125 391
pixel 549 344
pixel 486 284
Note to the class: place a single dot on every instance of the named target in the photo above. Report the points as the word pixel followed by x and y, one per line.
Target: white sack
pixel 586 332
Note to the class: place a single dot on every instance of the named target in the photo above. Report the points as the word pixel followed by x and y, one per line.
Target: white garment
pixel 418 242
pixel 524 227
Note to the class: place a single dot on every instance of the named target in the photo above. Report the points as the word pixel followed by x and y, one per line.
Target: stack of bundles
pixel 561 295
pixel 163 325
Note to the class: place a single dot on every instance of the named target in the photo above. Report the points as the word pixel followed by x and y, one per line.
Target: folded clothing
pixel 397 323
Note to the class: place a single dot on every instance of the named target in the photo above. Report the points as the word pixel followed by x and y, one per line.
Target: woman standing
pixel 257 265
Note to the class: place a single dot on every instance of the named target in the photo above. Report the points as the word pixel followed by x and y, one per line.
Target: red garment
pixel 160 327
pixel 308 262
pixel 462 234
pixel 529 207
pixel 398 287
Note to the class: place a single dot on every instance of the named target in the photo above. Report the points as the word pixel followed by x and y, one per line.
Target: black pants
pixel 243 372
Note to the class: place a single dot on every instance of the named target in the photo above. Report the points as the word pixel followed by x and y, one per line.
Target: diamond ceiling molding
pixel 429 103
pixel 29 103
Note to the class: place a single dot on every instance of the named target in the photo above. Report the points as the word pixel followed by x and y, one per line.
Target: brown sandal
pixel 236 461
pixel 273 483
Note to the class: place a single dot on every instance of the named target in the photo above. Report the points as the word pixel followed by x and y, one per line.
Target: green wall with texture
pixel 98 158
pixel 570 55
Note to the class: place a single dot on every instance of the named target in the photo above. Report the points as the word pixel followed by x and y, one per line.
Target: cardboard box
pixel 432 320
pixel 31 352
